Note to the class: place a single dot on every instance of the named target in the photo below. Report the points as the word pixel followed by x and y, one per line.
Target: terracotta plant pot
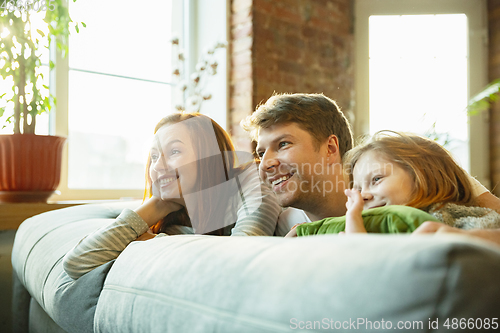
pixel 30 167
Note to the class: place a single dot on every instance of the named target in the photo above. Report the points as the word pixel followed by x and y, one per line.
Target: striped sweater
pixel 253 212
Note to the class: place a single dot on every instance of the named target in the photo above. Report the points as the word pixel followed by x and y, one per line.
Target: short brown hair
pixel 437 176
pixel 315 113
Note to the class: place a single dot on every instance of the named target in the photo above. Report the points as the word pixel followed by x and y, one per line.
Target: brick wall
pixel 494 73
pixel 289 46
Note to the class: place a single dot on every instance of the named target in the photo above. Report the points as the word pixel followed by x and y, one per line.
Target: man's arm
pixel 492 235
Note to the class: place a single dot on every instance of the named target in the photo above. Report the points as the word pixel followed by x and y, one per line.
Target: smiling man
pixel 301 139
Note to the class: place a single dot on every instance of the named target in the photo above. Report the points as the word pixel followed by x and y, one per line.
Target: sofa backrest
pixel 193 283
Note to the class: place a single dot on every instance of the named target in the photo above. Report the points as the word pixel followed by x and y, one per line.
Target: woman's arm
pixel 106 243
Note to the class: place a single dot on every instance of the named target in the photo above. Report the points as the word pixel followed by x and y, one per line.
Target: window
pixel 418 63
pixel 117 84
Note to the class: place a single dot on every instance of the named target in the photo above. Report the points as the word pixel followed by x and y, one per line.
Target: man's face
pixel 293 165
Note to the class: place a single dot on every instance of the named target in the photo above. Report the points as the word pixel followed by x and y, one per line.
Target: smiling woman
pixel 196 183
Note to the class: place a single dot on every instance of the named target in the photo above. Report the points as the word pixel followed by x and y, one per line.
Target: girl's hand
pixel 354 202
pixel 354 220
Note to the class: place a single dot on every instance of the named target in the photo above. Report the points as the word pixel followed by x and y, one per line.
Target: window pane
pixel 123 38
pixel 113 107
pixel 111 123
pixel 418 77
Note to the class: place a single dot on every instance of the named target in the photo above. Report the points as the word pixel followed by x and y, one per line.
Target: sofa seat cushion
pixel 39 246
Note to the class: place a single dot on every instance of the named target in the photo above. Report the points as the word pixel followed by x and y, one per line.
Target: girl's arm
pixel 106 243
pixel 353 219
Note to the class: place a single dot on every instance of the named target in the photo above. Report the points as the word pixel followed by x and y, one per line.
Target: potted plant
pixel 30 164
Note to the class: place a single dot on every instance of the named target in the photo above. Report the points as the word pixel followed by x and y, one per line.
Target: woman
pixel 194 185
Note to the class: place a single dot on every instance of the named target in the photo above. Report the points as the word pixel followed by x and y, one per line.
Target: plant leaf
pixel 83 24
pixel 40 32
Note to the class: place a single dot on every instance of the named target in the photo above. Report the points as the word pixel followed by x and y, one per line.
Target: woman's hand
pixel 154 209
pixel 353 219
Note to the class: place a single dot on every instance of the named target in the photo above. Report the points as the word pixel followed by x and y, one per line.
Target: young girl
pixel 405 169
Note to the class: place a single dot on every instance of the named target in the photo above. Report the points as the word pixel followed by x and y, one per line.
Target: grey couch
pixel 193 283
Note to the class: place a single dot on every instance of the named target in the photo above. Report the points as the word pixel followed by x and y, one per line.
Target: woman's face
pixel 173 168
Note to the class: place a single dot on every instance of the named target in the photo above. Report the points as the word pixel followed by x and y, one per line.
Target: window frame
pixel 184 20
pixel 476 12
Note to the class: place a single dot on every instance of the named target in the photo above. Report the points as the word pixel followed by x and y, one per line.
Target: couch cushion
pixel 77 301
pixel 39 246
pixel 195 283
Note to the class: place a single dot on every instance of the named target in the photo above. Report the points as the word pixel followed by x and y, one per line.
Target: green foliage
pixel 482 100
pixel 20 50
pixel 444 139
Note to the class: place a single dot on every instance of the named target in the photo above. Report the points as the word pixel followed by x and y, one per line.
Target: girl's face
pixel 173 167
pixel 381 182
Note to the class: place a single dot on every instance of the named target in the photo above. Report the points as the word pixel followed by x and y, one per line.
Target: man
pixel 301 139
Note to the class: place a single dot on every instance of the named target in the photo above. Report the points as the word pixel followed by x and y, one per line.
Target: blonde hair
pixel 315 113
pixel 437 176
